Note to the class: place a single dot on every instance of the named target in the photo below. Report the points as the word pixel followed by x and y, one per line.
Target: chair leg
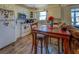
pixel 32 46
pixel 46 45
pixel 35 43
pixel 41 46
pixel 33 37
pixel 71 42
pixel 50 40
pixel 62 44
pixel 58 45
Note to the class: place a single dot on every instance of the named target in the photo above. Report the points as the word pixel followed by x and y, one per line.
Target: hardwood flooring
pixel 23 46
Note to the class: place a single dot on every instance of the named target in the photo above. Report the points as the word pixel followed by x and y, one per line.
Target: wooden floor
pixel 23 46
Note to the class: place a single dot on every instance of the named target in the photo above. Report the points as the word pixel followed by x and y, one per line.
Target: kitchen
pixel 15 20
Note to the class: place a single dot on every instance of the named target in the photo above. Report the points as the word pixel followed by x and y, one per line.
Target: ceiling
pixel 44 5
pixel 36 5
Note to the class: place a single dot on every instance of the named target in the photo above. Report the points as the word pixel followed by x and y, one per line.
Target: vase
pixel 51 23
pixel 50 26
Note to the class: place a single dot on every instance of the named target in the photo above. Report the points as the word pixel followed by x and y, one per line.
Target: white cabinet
pixel 22 29
pixel 7 33
pixel 25 29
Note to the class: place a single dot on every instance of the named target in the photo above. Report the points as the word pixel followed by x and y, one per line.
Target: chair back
pixel 34 25
pixel 75 33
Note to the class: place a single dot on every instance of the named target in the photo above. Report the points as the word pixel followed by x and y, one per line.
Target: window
pixel 75 16
pixel 42 15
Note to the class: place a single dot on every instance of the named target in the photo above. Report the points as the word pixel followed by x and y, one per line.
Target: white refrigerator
pixel 7 33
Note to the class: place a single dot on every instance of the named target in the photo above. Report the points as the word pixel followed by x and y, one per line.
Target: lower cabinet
pixel 25 29
pixel 22 30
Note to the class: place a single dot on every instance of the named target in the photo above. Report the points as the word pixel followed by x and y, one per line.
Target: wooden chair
pixel 40 38
pixel 74 40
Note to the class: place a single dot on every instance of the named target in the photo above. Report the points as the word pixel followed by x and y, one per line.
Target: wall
pixel 63 12
pixel 52 10
pixel 67 13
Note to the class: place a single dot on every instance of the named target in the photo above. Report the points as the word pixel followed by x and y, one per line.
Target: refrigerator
pixel 7 32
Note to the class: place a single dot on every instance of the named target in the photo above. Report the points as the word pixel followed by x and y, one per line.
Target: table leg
pixel 66 46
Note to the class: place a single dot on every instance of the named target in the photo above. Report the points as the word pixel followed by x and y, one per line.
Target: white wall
pixel 52 10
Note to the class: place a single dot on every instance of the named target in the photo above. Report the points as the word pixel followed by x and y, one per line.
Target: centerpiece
pixel 50 21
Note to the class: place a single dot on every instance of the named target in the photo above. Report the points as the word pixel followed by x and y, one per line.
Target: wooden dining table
pixel 55 32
